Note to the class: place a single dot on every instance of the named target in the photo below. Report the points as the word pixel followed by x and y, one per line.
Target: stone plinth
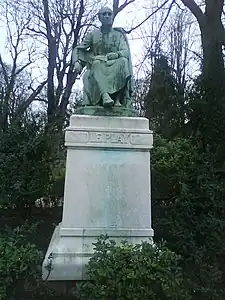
pixel 107 190
pixel 111 111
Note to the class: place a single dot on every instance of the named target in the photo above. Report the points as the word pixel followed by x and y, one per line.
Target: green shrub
pixel 188 200
pixel 19 263
pixel 24 166
pixel 125 272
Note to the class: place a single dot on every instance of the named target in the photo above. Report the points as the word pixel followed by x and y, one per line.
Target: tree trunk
pixel 208 112
pixel 213 39
pixel 212 109
pixel 213 63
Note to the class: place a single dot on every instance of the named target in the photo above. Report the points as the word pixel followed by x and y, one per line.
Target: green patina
pixel 108 79
pixel 102 111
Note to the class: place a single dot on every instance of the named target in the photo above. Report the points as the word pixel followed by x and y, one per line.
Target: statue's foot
pixel 107 101
pixel 117 103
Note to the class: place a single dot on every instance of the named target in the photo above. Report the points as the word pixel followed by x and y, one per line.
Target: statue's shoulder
pixel 121 33
pixel 95 30
pixel 120 30
pixel 96 34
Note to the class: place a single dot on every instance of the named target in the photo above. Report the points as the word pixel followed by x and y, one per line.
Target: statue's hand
pixel 112 55
pixel 100 57
pixel 78 67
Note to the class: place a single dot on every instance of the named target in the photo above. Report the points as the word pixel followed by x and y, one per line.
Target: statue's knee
pixel 86 76
pixel 123 60
pixel 96 63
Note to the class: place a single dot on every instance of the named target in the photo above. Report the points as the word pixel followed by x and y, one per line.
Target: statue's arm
pixel 123 50
pixel 78 54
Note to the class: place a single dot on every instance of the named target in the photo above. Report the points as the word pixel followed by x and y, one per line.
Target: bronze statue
pixel 105 52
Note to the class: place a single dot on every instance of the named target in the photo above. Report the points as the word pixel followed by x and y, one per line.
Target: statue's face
pixel 106 16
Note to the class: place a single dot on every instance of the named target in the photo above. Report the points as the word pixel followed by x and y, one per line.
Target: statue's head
pixel 105 15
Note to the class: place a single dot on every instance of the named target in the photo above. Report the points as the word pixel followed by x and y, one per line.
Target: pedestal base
pixel 67 256
pixel 107 191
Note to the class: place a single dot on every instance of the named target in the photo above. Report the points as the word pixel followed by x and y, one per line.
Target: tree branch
pixel 213 13
pixel 23 67
pixel 24 105
pixel 214 8
pixel 223 37
pixel 4 71
pixel 157 35
pixel 164 21
pixel 117 9
pixel 51 58
pixel 148 17
pixel 78 24
pixel 195 9
pixel 37 31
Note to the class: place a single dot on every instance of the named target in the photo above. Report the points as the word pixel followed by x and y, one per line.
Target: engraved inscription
pixel 77 137
pixel 141 139
pixel 109 137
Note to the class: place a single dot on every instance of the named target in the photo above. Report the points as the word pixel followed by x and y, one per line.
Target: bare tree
pixel 13 104
pixel 53 28
pixel 59 25
pixel 212 34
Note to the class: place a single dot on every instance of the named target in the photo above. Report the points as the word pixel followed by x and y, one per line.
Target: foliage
pixel 24 164
pixel 125 271
pixel 19 262
pixel 188 182
pixel 164 103
pixel 206 115
pixel 188 212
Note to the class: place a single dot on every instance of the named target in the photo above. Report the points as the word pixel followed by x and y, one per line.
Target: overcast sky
pixel 131 15
pixel 128 18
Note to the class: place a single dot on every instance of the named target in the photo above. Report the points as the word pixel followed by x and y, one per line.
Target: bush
pixel 24 166
pixel 19 263
pixel 188 200
pixel 128 272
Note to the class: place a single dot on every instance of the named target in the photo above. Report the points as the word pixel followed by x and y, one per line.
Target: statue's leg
pixel 117 99
pixel 107 101
pixel 98 75
pixel 86 89
pixel 126 101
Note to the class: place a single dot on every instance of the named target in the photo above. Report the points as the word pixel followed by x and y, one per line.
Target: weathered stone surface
pixel 107 190
pixel 102 111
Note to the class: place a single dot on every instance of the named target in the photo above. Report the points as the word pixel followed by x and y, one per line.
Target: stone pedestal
pixel 107 190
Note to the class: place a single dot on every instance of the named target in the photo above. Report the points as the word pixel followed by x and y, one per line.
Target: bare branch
pixel 39 99
pixel 117 9
pixel 115 5
pixel 157 35
pixel 24 105
pixel 215 7
pixel 51 58
pixel 195 9
pixel 18 71
pixel 37 31
pixel 4 71
pixel 148 17
pixel 78 24
pixel 164 21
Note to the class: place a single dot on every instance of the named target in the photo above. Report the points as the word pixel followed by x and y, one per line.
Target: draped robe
pixel 105 76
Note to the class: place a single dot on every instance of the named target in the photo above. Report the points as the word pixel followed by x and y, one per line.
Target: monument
pixel 107 184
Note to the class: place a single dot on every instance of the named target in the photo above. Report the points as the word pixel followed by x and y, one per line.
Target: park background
pixel 178 56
